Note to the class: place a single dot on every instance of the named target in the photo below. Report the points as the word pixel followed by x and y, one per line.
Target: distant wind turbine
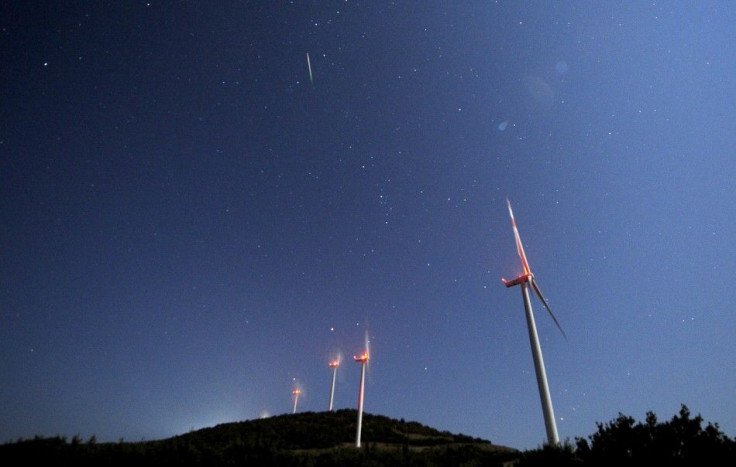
pixel 525 280
pixel 363 360
pixel 333 364
pixel 296 393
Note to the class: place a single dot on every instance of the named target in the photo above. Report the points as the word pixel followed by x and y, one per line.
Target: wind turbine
pixel 363 360
pixel 296 393
pixel 333 364
pixel 525 280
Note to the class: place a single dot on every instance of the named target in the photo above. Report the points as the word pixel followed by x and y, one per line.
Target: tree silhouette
pixel 682 441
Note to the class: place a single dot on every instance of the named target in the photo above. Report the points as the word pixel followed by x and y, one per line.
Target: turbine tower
pixel 527 279
pixel 296 393
pixel 363 360
pixel 333 364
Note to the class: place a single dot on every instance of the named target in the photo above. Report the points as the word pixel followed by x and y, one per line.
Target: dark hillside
pixel 305 439
pixel 318 439
pixel 319 430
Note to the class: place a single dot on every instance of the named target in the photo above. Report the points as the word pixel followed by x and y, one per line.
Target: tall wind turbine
pixel 296 393
pixel 363 360
pixel 333 364
pixel 527 279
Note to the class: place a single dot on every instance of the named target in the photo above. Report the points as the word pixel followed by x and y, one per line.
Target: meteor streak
pixel 309 66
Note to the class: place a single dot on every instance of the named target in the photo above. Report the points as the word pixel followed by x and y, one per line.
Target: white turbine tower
pixel 333 364
pixel 525 280
pixel 363 360
pixel 296 393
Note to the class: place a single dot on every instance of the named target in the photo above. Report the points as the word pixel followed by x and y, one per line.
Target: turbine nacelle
pixel 334 364
pixel 361 358
pixel 518 280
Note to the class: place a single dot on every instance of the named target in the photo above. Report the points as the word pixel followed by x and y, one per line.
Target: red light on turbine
pixel 363 358
pixel 334 364
pixel 296 392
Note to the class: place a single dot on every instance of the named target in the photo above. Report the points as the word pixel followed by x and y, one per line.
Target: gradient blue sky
pixel 190 227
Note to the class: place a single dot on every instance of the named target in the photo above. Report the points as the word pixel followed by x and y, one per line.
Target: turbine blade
pixel 368 366
pixel 546 305
pixel 519 246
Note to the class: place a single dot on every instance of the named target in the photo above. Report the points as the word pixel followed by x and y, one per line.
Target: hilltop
pixel 304 439
pixel 317 439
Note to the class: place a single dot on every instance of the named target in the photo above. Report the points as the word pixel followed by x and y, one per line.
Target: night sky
pixel 191 227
